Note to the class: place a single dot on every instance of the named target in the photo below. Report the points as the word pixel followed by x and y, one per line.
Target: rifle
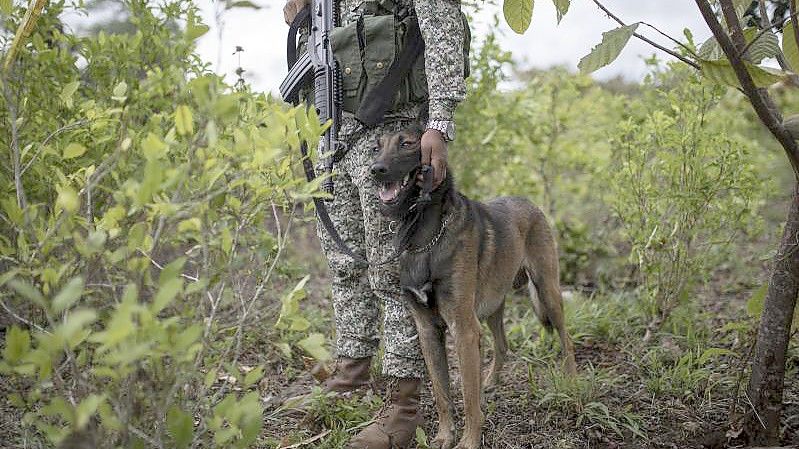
pixel 318 66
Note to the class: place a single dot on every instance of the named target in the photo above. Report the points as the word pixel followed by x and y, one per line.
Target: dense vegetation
pixel 161 285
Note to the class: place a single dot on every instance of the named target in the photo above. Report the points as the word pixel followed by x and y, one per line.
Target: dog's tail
pixel 539 307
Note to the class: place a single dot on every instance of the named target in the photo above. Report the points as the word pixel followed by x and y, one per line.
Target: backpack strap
pixel 379 100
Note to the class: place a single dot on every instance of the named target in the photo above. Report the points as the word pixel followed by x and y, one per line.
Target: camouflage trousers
pixel 359 291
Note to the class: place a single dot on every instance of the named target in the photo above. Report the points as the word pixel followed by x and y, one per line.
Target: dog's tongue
pixel 389 191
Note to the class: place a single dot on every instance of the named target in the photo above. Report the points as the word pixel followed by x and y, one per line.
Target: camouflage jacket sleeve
pixel 443 33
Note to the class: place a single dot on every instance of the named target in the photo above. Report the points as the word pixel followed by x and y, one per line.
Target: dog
pixel 458 258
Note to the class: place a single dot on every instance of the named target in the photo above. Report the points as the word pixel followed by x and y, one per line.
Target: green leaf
pixel 108 418
pixel 166 294
pixel 59 407
pixel 67 199
pixel 290 307
pixel 754 305
pixel 151 184
pixel 119 92
pixel 171 271
pixel 518 14
pixel 74 150
pixel 421 438
pixel 613 42
pixel 210 378
pixel 712 353
pixel 68 91
pixel 226 240
pixel 720 71
pixel 299 324
pixel 180 427
pixel 766 46
pixel 314 344
pixel 68 295
pixel 28 292
pixel 6 7
pixel 153 147
pixel 18 343
pixel 184 122
pixel 195 30
pixel 253 376
pixel 710 49
pixel 243 4
pixel 789 47
pixel 86 409
pixel 285 349
pixel 75 323
pixel 562 7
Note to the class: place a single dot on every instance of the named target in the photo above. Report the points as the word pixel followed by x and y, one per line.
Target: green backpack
pixel 366 48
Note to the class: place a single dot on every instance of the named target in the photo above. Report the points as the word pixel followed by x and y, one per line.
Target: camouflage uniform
pixel 358 291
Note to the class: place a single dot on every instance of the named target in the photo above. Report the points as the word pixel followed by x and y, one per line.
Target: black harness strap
pixel 300 20
pixel 380 98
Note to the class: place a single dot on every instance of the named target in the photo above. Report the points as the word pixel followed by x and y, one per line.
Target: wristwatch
pixel 445 127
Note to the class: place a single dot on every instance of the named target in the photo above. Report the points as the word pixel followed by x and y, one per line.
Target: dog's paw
pixel 444 440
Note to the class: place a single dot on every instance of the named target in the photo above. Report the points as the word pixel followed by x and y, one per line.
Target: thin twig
pixel 47 140
pixel 680 44
pixel 647 40
pixel 754 410
pixel 15 152
pixel 21 319
pixel 144 436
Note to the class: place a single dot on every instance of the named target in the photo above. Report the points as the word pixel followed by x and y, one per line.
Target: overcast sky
pixel 262 34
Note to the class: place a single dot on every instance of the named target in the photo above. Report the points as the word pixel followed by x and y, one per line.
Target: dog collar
pixel 435 239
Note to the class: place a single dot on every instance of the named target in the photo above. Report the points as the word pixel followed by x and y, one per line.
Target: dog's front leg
pixel 433 342
pixel 465 328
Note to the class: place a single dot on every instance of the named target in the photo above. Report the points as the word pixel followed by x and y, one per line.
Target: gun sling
pixel 321 208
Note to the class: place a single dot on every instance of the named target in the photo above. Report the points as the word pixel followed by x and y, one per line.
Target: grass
pixel 673 390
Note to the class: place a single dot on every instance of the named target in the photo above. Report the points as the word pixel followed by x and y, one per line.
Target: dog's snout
pixel 378 168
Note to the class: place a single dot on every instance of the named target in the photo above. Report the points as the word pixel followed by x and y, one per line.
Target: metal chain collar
pixel 428 247
pixel 435 239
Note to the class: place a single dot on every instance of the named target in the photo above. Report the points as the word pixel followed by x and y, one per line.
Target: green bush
pixel 682 186
pixel 132 232
pixel 548 141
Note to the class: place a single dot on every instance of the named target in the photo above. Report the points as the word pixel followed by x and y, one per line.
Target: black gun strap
pixel 300 20
pixel 380 98
pixel 321 208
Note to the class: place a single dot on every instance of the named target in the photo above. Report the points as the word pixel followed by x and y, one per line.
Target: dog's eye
pixel 406 144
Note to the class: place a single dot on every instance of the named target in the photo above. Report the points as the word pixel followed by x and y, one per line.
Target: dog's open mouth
pixel 390 191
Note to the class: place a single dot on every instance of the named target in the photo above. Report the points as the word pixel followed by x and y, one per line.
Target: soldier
pixel 437 85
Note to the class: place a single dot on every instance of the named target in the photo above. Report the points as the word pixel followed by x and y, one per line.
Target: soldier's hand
pixel 434 152
pixel 292 8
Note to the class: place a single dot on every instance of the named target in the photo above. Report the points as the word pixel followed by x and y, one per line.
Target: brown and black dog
pixel 458 259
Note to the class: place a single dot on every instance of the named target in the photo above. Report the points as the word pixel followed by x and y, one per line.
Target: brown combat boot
pixel 396 423
pixel 348 375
